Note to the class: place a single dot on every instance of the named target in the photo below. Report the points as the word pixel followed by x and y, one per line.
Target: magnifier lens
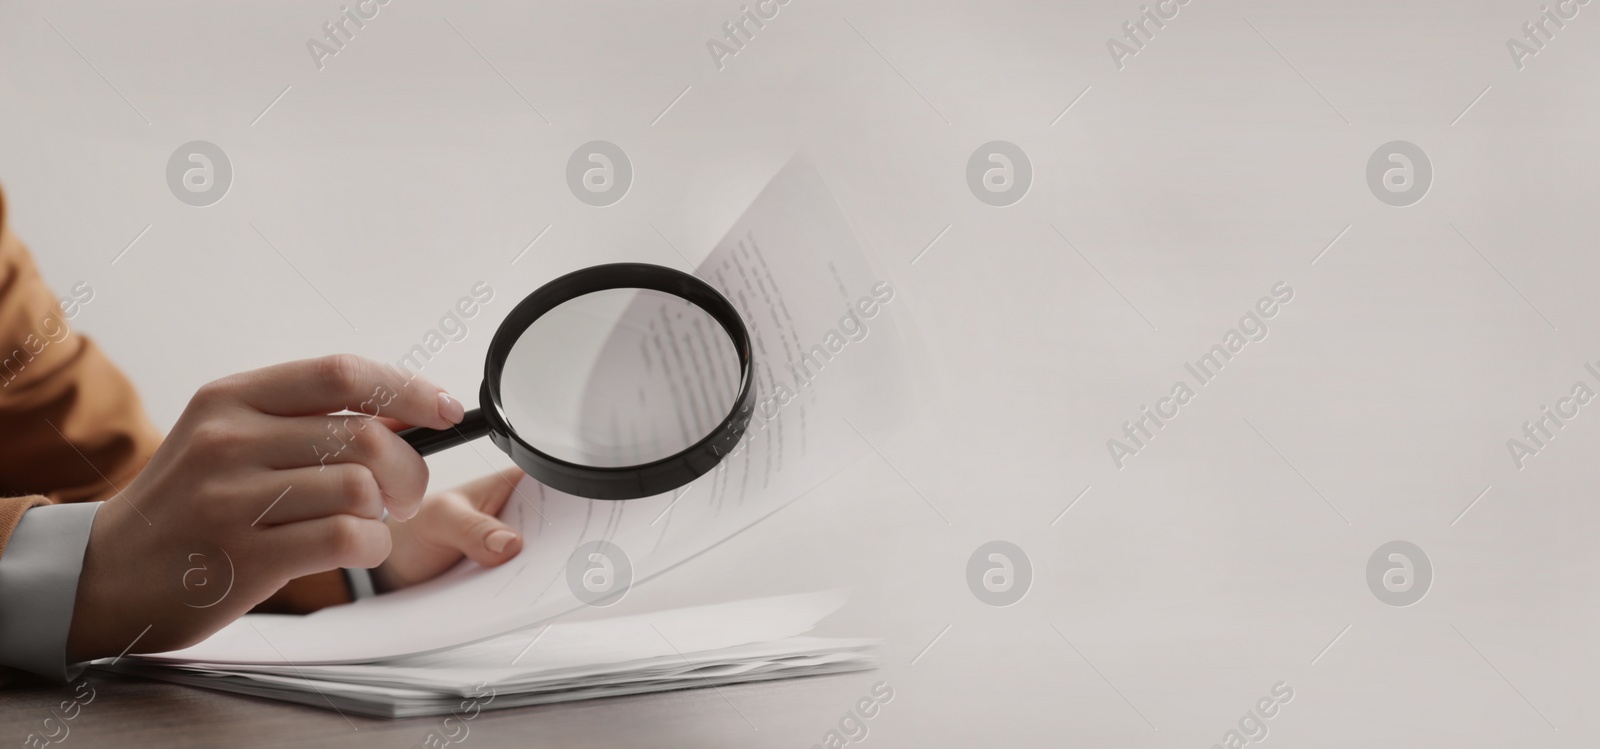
pixel 620 377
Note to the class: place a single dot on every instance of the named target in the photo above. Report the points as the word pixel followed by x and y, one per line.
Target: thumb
pixel 480 537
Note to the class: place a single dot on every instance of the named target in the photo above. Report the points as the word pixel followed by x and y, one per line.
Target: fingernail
pixel 392 509
pixel 499 540
pixel 451 409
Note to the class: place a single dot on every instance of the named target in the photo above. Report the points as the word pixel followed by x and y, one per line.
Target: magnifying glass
pixel 618 381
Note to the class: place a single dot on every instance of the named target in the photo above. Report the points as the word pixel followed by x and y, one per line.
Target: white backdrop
pixel 1222 159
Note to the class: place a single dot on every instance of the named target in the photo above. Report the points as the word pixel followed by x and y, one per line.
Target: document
pixel 831 366
pixel 743 641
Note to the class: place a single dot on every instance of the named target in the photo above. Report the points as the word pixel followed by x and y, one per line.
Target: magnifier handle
pixel 429 441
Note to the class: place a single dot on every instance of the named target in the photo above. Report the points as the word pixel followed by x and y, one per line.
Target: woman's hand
pixel 261 481
pixel 452 524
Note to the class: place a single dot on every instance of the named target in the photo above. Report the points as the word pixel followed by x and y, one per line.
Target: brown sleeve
pixel 11 509
pixel 72 428
pixel 304 595
pixel 71 425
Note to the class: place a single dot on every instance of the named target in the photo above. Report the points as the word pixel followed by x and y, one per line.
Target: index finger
pixel 346 382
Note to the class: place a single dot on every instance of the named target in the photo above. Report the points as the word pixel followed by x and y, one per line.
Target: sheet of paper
pixel 799 656
pixel 830 359
pixel 564 650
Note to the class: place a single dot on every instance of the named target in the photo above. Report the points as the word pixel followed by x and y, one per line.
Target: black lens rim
pixel 620 482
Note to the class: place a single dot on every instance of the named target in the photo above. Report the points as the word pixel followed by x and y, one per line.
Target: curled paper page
pixel 829 359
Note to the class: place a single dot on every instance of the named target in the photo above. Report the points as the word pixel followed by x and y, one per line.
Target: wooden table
pixel 132 713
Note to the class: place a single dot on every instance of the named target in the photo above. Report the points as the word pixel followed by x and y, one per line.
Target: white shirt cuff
pixel 360 582
pixel 39 586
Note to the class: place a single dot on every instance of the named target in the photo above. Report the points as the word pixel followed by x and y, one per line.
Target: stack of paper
pixel 729 643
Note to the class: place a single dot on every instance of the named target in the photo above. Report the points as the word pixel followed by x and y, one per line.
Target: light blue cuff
pixel 39 585
pixel 360 583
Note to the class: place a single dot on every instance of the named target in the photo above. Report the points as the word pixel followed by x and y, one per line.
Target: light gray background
pixel 1222 160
